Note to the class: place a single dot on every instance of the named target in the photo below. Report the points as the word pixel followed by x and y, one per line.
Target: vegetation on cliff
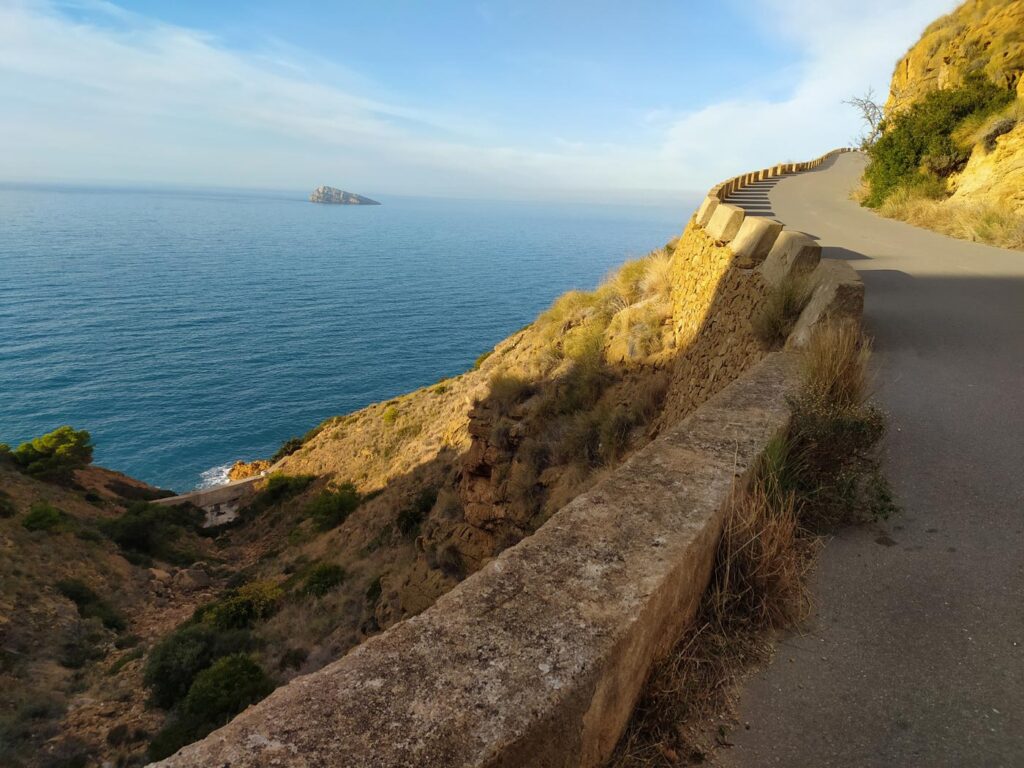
pixel 950 151
pixel 53 455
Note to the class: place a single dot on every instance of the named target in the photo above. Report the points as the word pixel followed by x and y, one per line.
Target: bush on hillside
pixel 331 508
pixel 323 578
pixel 90 605
pixel 216 695
pixel 288 447
pixel 56 454
pixel 151 530
pixel 226 688
pixel 921 138
pixel 7 508
pixel 175 661
pixel 279 488
pixel 410 518
pixel 243 606
pixel 42 516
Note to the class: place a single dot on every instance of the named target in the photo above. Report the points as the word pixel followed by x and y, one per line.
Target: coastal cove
pixel 186 330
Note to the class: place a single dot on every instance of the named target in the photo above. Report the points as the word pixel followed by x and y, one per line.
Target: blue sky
pixel 501 99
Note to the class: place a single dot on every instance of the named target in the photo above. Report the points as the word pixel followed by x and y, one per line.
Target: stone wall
pixel 538 658
pixel 724 267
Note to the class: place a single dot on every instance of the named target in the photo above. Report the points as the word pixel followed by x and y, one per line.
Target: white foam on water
pixel 214 476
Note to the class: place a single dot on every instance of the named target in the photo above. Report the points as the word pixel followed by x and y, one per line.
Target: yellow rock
pixel 995 176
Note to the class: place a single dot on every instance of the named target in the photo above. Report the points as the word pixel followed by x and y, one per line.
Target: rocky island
pixel 325 194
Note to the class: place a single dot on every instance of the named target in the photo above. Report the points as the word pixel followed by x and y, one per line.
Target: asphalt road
pixel 915 655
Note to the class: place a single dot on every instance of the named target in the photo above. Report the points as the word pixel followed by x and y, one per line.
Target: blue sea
pixel 189 329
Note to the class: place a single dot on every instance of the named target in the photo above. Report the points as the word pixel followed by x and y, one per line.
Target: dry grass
pixel 776 317
pixel 823 470
pixel 978 222
pixel 758 585
pixel 835 364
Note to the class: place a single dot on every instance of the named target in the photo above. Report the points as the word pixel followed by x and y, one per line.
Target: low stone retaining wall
pixel 538 658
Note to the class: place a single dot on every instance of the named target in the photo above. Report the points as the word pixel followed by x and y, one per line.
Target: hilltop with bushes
pixel 951 150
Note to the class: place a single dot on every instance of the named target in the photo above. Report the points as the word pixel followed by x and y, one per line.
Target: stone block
pixel 725 222
pixel 838 294
pixel 706 210
pixel 792 253
pixel 754 240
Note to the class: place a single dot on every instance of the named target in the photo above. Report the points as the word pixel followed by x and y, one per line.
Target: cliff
pixel 980 161
pixel 981 36
pixel 645 404
pixel 334 196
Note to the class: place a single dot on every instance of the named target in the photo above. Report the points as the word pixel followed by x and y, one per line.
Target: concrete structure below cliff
pixel 221 503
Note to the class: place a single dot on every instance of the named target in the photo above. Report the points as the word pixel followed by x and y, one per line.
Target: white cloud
pixel 846 47
pixel 104 94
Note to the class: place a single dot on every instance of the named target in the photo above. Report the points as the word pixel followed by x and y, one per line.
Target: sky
pixel 525 99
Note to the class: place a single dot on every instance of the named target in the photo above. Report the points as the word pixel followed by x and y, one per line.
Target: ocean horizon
pixel 187 329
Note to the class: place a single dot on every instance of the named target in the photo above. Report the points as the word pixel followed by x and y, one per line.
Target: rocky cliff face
pixel 981 36
pixel 332 195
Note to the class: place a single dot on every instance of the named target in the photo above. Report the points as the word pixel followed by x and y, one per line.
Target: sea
pixel 188 329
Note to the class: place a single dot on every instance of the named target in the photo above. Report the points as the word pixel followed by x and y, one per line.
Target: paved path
pixel 916 654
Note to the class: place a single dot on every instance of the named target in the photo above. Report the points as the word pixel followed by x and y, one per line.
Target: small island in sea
pixel 333 195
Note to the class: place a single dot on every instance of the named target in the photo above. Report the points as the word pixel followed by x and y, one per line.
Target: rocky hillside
pixel 79 598
pixel 128 630
pixel 980 37
pixel 952 155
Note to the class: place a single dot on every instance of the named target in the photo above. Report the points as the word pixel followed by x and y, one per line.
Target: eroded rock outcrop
pixel 980 36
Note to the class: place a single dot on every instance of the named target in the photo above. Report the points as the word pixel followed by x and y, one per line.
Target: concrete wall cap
pixel 706 210
pixel 793 253
pixel 725 222
pixel 754 240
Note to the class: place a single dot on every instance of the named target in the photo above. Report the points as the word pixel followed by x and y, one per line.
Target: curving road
pixel 915 656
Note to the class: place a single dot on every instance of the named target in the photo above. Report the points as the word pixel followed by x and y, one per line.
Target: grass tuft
pixel 776 317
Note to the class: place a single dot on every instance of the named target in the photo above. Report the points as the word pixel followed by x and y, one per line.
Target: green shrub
pixel 225 689
pixel 280 487
pixel 331 508
pixel 55 454
pixel 85 643
pixel 42 516
pixel 243 606
pixel 373 592
pixel 481 359
pixel 218 693
pixel 288 447
pixel 323 578
pixel 152 530
pixel 89 604
pixel 175 661
pixel 410 518
pixel 922 136
pixel 7 508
